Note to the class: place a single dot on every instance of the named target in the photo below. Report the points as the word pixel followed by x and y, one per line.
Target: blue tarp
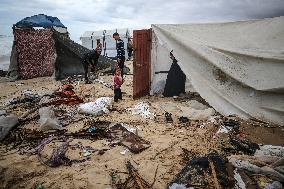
pixel 39 20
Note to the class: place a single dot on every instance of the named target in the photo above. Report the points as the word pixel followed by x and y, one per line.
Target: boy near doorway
pixel 120 51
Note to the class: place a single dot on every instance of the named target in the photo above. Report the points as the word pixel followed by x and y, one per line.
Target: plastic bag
pixel 47 119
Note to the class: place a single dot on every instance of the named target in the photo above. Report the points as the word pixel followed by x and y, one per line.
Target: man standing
pixel 120 51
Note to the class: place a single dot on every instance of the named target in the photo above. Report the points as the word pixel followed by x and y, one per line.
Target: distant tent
pixel 109 46
pixel 39 52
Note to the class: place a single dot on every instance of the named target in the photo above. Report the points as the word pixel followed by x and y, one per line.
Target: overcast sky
pixel 82 15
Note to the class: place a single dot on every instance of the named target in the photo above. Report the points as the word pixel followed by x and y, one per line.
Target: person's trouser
pixel 88 68
pixel 121 65
pixel 117 94
pixel 129 53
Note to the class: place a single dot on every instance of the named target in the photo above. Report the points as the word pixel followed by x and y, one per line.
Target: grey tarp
pixel 69 57
pixel 236 67
pixel 13 71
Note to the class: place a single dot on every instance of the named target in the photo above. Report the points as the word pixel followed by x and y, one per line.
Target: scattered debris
pixel 128 139
pixel 92 129
pixel 3 112
pixel 27 97
pixel 274 185
pixel 193 109
pixel 134 180
pixel 237 144
pixel 168 117
pixel 183 119
pixel 239 181
pixel 127 127
pixel 269 150
pixel 66 91
pixel 108 85
pixel 179 186
pixel 40 187
pixel 266 170
pixel 143 109
pixel 3 73
pixel 124 152
pixel 195 171
pixel 58 155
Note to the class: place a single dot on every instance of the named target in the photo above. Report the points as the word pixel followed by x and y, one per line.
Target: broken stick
pixel 216 182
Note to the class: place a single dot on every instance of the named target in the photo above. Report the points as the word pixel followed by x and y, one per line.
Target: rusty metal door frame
pixel 142 42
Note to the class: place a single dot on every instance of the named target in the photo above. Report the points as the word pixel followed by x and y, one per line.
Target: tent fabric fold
pixel 236 67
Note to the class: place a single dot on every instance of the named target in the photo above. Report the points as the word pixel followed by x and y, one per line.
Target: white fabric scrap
pixel 124 152
pixel 179 186
pixel 223 129
pixel 142 108
pixel 127 127
pixel 108 85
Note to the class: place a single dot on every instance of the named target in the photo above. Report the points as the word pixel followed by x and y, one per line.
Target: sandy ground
pixel 167 141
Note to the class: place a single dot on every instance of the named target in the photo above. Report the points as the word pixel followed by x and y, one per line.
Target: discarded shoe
pixel 168 117
pixel 183 119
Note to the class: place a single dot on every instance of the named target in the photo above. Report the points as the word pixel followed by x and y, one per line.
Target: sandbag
pixel 96 108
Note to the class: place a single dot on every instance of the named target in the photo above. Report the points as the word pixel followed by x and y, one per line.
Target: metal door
pixel 141 63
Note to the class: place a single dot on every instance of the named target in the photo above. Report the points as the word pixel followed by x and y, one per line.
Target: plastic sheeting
pixel 236 67
pixel 39 20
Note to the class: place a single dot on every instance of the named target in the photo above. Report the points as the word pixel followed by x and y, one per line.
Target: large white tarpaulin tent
pixel 237 67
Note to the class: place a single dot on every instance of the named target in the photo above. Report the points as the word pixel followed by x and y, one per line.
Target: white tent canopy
pixel 237 67
pixel 89 40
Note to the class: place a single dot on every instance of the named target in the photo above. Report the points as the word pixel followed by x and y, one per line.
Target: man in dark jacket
pixel 90 61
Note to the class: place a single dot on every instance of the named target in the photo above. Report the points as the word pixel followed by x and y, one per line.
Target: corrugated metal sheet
pixel 141 63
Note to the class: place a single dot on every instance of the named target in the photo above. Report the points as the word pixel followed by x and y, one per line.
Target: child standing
pixel 117 82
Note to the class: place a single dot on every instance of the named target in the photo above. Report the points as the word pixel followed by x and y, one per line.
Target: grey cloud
pixel 83 15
